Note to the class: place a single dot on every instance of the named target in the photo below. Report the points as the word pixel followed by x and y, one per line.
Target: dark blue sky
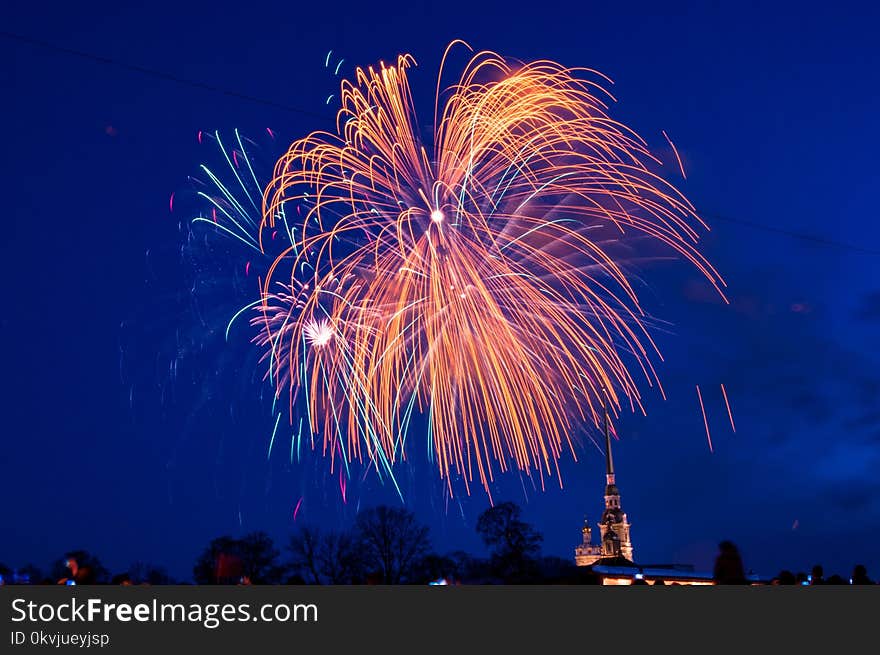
pixel 773 110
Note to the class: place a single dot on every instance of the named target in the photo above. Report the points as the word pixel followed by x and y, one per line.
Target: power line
pixel 156 73
pixel 792 233
pixel 144 70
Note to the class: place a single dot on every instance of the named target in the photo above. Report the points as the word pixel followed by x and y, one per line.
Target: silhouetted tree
pixel 259 558
pixel 468 567
pixel 785 577
pixel 434 567
pixel 304 548
pixel 325 558
pixel 144 573
pixel 226 560
pixel 391 542
pixel 219 562
pixel 342 560
pixel 30 573
pixel 555 570
pixel 514 544
pixel 456 566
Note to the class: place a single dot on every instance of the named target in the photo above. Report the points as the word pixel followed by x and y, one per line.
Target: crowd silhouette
pixel 389 546
pixel 729 569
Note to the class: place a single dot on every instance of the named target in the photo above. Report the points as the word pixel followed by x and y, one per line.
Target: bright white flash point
pixel 437 216
pixel 318 333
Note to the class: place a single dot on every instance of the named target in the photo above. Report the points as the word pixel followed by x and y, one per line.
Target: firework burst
pixel 467 275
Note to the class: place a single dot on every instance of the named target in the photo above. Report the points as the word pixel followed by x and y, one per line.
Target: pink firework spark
pixel 705 420
pixel 727 403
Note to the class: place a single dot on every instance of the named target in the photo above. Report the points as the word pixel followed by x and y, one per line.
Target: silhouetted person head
pixel 659 582
pixel 78 574
pixel 728 565
pixel 817 575
pixel 860 575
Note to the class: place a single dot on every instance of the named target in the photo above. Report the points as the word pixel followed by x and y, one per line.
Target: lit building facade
pixel 611 560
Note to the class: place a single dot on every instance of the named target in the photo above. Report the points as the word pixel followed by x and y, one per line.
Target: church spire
pixel 609 461
pixel 615 537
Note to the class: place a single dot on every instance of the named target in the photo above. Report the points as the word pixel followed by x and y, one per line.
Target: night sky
pixel 774 112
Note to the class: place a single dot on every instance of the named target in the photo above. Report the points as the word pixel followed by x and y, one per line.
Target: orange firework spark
pixel 470 276
pixel 675 151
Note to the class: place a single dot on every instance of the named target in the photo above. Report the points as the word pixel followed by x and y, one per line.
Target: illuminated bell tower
pixel 587 553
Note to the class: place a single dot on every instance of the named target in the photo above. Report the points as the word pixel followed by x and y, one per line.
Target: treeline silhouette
pixel 386 545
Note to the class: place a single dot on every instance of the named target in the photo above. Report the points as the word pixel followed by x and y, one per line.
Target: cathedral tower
pixel 613 527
